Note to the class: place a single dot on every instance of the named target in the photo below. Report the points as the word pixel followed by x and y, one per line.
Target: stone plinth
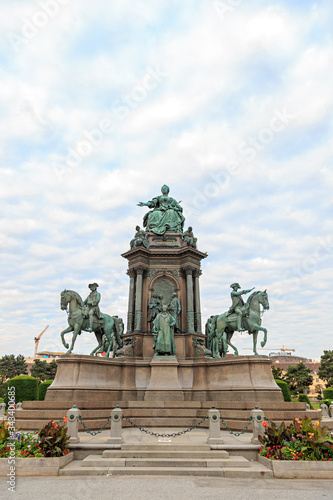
pixel 87 378
pixel 164 380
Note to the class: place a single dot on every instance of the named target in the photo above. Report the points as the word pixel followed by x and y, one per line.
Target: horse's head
pixel 65 297
pixel 263 299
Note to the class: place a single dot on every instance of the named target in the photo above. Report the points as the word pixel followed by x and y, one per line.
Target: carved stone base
pixel 164 382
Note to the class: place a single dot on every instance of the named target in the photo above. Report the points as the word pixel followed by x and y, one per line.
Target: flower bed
pixel 34 453
pixel 302 450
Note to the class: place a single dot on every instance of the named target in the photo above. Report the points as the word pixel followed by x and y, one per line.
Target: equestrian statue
pixel 240 317
pixel 86 315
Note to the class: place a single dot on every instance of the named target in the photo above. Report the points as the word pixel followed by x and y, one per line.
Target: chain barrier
pixel 268 420
pixel 240 432
pixel 58 422
pixel 157 434
pixel 93 433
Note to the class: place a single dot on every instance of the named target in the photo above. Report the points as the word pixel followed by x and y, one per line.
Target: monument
pixel 163 369
pixel 164 355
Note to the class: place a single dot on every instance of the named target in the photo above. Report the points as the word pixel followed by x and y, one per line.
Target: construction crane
pixel 282 349
pixel 36 339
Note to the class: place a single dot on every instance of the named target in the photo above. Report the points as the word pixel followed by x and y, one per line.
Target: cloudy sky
pixel 228 102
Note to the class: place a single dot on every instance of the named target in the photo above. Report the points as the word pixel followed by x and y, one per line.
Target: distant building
pixel 280 360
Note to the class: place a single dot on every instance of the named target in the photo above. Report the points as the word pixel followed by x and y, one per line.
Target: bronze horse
pixel 78 321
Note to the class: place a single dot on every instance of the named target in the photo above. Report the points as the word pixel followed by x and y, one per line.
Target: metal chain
pixel 268 420
pixel 157 434
pixel 93 433
pixel 61 421
pixel 240 432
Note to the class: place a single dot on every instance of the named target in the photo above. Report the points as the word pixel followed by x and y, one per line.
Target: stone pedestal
pixel 164 381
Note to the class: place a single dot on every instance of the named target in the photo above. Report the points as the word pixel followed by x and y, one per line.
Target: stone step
pixel 220 405
pixel 164 453
pixel 98 461
pixel 253 472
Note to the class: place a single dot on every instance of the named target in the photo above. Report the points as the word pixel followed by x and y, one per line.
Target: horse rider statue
pixel 238 305
pixel 92 302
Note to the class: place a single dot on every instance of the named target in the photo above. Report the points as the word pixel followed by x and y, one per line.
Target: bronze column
pixel 189 299
pixel 130 313
pixel 197 307
pixel 138 299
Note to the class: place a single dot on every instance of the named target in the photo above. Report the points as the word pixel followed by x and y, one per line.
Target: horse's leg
pixel 77 329
pixel 99 340
pixel 229 335
pixel 67 330
pixel 255 338
pixel 256 327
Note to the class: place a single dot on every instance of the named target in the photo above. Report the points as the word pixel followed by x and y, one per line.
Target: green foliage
pixel 12 367
pixel 26 388
pixel 318 392
pixel 327 402
pixel 325 371
pixel 43 370
pixel 277 372
pixel 285 389
pixel 298 378
pixel 303 398
pixel 328 393
pixel 26 446
pixel 4 431
pixel 43 388
pixel 301 440
pixel 53 440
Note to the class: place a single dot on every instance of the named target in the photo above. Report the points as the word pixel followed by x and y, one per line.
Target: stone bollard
pixel 308 407
pixel 116 427
pixel 2 410
pixel 258 417
pixel 331 410
pixel 73 424
pixel 19 406
pixel 324 411
pixel 214 436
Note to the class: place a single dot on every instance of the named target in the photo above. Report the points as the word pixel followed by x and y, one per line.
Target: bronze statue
pixel 166 214
pixel 189 238
pixel 164 341
pixel 175 309
pixel 139 239
pixel 153 308
pixel 112 327
pixel 238 304
pixel 92 302
pixel 224 325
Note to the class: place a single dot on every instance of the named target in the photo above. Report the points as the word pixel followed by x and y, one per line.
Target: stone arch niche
pixel 165 287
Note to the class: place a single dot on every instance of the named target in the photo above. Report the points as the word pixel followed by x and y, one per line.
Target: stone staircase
pixel 159 413
pixel 171 460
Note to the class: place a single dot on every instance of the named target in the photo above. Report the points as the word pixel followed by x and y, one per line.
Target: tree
pixel 43 370
pixel 12 367
pixel 298 378
pixel 325 371
pixel 51 370
pixel 318 391
pixel 277 372
pixel 38 369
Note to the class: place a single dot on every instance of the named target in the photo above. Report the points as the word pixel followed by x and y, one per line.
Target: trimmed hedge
pixel 328 393
pixel 43 388
pixel 26 388
pixel 303 398
pixel 285 389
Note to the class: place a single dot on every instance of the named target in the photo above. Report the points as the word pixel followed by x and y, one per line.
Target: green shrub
pixel 327 402
pixel 328 393
pixel 53 440
pixel 26 389
pixel 285 389
pixel 43 388
pixel 303 398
